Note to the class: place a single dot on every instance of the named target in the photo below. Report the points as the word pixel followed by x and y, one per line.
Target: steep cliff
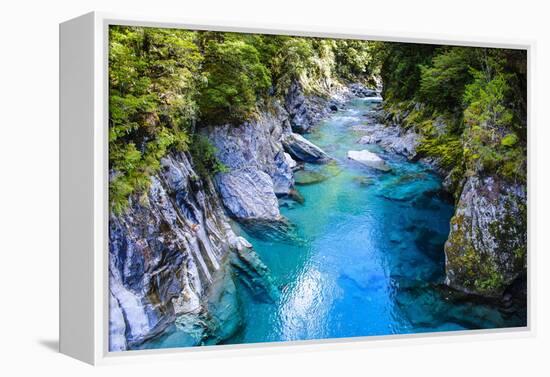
pixel 166 251
pixel 306 110
pixel 174 257
pixel 487 246
pixel 258 169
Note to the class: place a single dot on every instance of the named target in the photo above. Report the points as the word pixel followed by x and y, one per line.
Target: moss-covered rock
pixel 487 245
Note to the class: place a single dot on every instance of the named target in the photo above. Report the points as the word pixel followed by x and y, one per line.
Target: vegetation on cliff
pixel 469 107
pixel 167 83
pixel 468 104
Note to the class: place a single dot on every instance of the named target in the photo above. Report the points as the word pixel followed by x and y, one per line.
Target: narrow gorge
pixel 333 209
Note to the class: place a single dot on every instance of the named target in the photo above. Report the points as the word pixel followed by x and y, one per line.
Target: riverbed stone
pixel 369 159
pixel 302 149
pixel 393 139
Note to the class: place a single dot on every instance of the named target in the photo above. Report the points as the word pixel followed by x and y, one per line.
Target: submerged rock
pixel 302 149
pixel 369 159
pixel 224 309
pixel 487 246
pixel 308 177
pixel 296 196
pixel 254 274
pixel 363 181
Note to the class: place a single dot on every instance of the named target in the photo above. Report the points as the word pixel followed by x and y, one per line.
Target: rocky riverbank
pixel 174 258
pixel 486 248
pixel 166 251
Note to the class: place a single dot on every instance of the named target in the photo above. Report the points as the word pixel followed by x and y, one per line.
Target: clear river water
pixel 365 256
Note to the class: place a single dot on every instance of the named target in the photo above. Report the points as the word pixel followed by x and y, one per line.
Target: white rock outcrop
pixel 369 159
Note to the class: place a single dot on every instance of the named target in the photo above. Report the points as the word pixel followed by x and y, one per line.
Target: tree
pixel 236 79
pixel 154 75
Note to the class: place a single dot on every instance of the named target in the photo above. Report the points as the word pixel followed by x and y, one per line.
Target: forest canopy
pixel 168 84
pixel 469 105
pixel 165 84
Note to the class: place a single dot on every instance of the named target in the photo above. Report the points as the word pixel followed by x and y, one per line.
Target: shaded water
pixel 366 254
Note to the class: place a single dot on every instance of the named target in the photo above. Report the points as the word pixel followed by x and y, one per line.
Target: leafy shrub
pixel 236 79
pixel 509 140
pixel 153 79
pixel 443 82
pixel 205 162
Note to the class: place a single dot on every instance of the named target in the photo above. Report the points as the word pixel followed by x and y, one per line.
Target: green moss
pixel 447 149
pixel 509 140
pixel 472 269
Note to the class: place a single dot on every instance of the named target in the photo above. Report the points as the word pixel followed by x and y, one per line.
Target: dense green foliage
pixel 468 104
pixel 236 79
pixel 204 157
pixel 400 68
pixel 153 77
pixel 167 84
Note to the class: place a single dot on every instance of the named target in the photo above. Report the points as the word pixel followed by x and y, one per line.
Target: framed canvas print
pixel 226 186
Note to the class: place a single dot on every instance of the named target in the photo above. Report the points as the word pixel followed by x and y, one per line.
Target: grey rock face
pixel 361 91
pixel 391 138
pixel 487 245
pixel 248 194
pixel 258 168
pixel 256 145
pixel 302 149
pixel 303 113
pixel 306 111
pixel 164 252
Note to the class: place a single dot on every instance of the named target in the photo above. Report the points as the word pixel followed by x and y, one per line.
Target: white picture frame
pixel 84 191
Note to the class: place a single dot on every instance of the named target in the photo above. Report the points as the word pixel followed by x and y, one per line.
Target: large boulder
pixel 248 194
pixel 369 159
pixel 257 145
pixel 487 246
pixel 302 149
pixel 392 138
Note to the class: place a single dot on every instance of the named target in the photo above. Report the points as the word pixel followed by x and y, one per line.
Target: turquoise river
pixel 365 255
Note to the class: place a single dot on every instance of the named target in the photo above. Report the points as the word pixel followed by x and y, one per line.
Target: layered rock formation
pixel 165 252
pixel 302 149
pixel 307 110
pixel 259 169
